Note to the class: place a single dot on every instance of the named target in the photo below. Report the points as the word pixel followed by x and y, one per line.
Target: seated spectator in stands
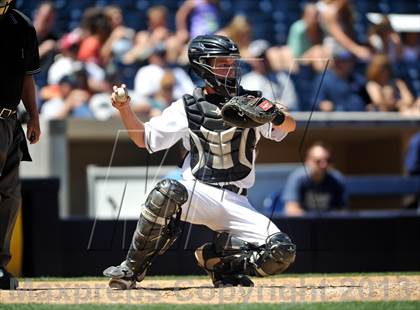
pixel 71 101
pixel 412 165
pixel 157 32
pixel 239 30
pixel 386 92
pixel 412 157
pixel 305 33
pixel 342 89
pixel 121 38
pixel 96 30
pixel 384 40
pixel 164 96
pixel 148 78
pixel 410 47
pixel 337 22
pixel 197 17
pixel 66 63
pixel 275 86
pixel 315 187
pixel 44 22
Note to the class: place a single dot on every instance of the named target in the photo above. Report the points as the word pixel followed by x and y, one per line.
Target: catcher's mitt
pixel 248 111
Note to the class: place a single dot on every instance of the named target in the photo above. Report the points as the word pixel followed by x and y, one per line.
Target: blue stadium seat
pixel 405 7
pixel 304 84
pixel 27 7
pixel 135 19
pixel 365 6
pixel 381 185
pixel 246 6
pixel 356 186
pixel 273 205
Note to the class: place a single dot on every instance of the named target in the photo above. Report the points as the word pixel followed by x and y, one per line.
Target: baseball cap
pixel 70 39
pixel 257 48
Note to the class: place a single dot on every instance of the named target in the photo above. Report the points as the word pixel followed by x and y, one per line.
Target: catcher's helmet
pixel 205 47
pixel 4 6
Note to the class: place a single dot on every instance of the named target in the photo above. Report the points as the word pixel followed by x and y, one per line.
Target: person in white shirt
pixel 215 177
pixel 147 79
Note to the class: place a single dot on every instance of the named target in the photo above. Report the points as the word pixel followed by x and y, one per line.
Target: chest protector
pixel 219 152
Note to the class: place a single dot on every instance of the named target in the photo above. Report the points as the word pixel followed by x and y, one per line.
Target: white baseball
pixel 121 94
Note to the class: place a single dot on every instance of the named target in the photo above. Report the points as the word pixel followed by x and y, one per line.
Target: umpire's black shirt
pixel 19 56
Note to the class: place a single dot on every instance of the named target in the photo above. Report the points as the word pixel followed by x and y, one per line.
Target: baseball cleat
pixel 220 280
pixel 122 278
pixel 122 284
pixel 7 281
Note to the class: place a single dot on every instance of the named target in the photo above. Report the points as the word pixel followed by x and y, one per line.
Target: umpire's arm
pixel 33 131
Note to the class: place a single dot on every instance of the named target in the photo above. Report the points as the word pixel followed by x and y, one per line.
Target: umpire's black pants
pixel 11 137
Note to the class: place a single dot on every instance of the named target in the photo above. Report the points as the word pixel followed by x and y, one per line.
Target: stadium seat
pixel 356 186
pixel 404 7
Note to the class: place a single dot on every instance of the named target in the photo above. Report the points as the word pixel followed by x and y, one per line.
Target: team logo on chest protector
pixel 219 153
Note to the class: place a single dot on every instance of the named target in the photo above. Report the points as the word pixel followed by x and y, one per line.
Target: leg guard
pixel 230 256
pixel 157 229
pixel 275 256
pixel 226 260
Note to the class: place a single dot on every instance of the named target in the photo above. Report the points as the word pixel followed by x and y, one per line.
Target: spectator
pixel 63 65
pixel 275 86
pixel 384 40
pixel 315 187
pixel 410 47
pixel 412 164
pixel 342 89
pixel 240 31
pixel 412 158
pixel 336 17
pixel 157 32
pixel 147 79
pixel 152 105
pixel 97 29
pixel 44 22
pixel 164 96
pixel 386 92
pixel 72 100
pixel 66 64
pixel 121 38
pixel 197 17
pixel 305 33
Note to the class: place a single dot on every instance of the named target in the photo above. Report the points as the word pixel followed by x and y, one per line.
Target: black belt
pixel 232 188
pixel 7 113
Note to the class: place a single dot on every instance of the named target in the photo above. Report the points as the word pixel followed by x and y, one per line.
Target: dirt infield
pixel 199 290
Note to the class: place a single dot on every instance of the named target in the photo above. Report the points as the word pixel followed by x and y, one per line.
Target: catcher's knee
pixel 277 256
pixel 164 201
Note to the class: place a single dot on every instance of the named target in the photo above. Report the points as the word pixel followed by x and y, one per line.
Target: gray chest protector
pixel 219 153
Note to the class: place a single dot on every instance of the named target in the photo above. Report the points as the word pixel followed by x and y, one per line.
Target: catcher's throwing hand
pixel 248 111
pixel 120 97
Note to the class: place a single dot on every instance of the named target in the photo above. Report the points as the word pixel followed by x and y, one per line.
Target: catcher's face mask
pixel 223 74
pixel 4 6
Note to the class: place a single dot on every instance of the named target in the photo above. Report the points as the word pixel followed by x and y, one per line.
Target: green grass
pixel 406 305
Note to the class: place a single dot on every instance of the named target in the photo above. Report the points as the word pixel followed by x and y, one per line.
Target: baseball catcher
pixel 219 125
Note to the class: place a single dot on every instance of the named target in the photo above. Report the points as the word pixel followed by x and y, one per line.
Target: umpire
pixel 19 61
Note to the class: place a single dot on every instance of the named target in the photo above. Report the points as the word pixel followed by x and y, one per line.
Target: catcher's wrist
pixel 279 119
